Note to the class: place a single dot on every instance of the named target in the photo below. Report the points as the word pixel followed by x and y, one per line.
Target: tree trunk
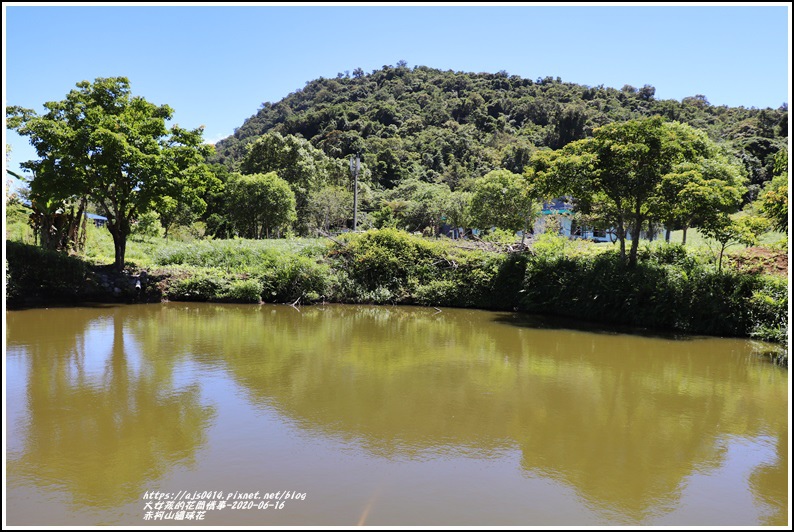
pixel 73 237
pixel 83 233
pixel 667 234
pixel 120 234
pixel 622 238
pixel 683 241
pixel 635 240
pixel 635 244
pixel 719 263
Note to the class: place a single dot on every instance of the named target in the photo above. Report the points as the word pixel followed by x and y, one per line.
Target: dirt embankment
pixel 761 260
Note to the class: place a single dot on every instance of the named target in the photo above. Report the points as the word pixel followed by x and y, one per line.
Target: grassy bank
pixel 673 288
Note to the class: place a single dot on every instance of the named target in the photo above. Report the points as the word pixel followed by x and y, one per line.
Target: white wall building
pixel 560 212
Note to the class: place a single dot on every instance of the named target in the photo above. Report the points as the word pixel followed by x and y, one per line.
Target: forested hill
pixel 446 126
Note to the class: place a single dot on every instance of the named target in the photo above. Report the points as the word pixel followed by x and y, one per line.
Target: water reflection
pixel 628 422
pixel 102 417
pixel 769 480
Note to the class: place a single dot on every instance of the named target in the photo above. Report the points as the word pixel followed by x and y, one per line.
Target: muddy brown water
pixel 200 414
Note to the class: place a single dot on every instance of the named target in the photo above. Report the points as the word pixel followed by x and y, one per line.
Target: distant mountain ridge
pixel 448 126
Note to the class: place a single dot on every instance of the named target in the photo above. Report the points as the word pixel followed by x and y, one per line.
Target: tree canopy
pixel 263 204
pixel 773 201
pixel 728 230
pixel 695 192
pixel 638 171
pixel 113 148
pixel 504 200
pixel 415 205
pixel 426 125
pixel 305 168
pixel 426 137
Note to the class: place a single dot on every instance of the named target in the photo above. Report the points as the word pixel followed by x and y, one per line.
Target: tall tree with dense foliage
pixel 504 200
pixel 457 211
pixel 104 144
pixel 300 164
pixel 264 204
pixel 695 192
pixel 773 200
pixel 422 204
pixel 191 203
pixel 621 170
pixel 330 207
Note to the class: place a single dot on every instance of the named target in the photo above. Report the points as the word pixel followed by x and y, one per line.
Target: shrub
pixel 38 274
pixel 292 277
pixel 684 296
pixel 550 245
pixel 439 292
pixel 500 236
pixel 506 281
pixel 389 258
pixel 147 227
pixel 769 311
pixel 200 286
pixel 664 253
pixel 475 276
pixel 244 291
pixel 18 228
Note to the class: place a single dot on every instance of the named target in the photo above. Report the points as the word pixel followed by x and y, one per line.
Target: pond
pixel 183 414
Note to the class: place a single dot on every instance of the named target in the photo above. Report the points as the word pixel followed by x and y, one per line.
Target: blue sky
pixel 216 64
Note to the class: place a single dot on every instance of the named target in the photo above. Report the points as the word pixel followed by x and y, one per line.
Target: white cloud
pixel 215 139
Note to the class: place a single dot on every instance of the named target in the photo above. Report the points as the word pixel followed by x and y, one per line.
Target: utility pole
pixel 355 167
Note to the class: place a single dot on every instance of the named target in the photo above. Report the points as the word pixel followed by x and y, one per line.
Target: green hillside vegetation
pixel 427 139
pixel 450 127
pixel 239 221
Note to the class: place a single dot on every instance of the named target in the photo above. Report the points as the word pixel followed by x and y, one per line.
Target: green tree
pixel 57 206
pixel 443 125
pixel 458 210
pixel 773 200
pixel 619 171
pixel 147 226
pixel 569 126
pixel 264 204
pixel 504 200
pixel 330 206
pixel 424 203
pixel 113 148
pixel 192 202
pixel 174 212
pixel 697 191
pixel 217 216
pixel 306 168
pixel 729 231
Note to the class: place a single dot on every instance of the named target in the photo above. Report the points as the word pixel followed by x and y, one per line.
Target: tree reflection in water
pixel 102 436
pixel 626 421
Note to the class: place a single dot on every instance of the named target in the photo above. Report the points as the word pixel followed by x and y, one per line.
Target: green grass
pixel 99 248
pixel 17 227
pixel 19 232
pixel 704 249
pixel 696 240
pixel 229 254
